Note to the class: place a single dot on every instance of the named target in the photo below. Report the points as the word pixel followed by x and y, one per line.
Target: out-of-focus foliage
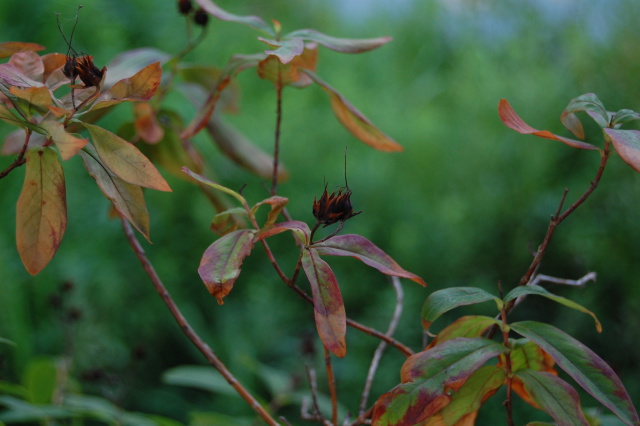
pixel 463 205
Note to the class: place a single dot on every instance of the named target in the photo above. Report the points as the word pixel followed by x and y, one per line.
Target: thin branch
pixel 276 148
pixel 20 160
pixel 375 361
pixel 208 353
pixel 332 385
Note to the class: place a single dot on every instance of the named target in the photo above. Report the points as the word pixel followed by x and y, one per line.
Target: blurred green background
pixel 463 205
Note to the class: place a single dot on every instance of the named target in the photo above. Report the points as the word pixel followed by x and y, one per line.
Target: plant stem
pixel 507 357
pixel 208 353
pixel 332 386
pixel 276 148
pixel 20 160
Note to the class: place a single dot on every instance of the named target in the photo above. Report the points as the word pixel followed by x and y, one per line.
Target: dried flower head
pixel 184 6
pixel 333 208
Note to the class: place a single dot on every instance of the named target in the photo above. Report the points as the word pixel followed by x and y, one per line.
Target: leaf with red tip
pixel 68 144
pixel 128 199
pixel 355 121
pixel 329 312
pixel 513 121
pixel 554 396
pixel 251 21
pixel 343 45
pixel 41 212
pixel 627 145
pixel 359 247
pixel 125 160
pixel 583 365
pixel 8 48
pixel 220 264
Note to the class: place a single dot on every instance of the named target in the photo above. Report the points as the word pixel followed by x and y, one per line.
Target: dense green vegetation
pixel 463 205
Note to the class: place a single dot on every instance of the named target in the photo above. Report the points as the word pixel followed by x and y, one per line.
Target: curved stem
pixel 20 160
pixel 208 353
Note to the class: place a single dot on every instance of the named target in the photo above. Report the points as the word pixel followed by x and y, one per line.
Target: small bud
pixel 201 17
pixel 333 208
pixel 184 7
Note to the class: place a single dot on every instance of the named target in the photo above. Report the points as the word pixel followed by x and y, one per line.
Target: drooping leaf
pixel 300 230
pixel 271 69
pixel 214 185
pixel 8 48
pixel 627 145
pixel 554 396
pixel 128 199
pixel 328 307
pixel 444 300
pixel 343 45
pixel 540 291
pixel 583 365
pixel 624 116
pixel 590 104
pixel 68 144
pixel 428 378
pixel 251 21
pixel 146 123
pixel 464 406
pixel 125 160
pixel 139 87
pixel 277 203
pixel 467 326
pixel 513 121
pixel 359 247
pixel 41 212
pixel 354 121
pixel 220 264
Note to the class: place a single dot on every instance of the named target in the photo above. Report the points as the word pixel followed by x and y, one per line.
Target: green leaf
pixel 128 199
pixel 300 230
pixel 285 50
pixel 590 104
pixel 220 264
pixel 583 365
pixel 125 160
pixel 329 312
pixel 513 121
pixel 40 380
pixel 41 212
pixel 251 21
pixel 359 247
pixel 467 326
pixel 19 411
pixel 627 145
pixel 527 355
pixel 553 395
pixel 343 45
pixel 442 301
pixel 198 377
pixel 540 291
pixel 68 144
pixel 355 121
pixel 226 221
pixel 624 116
pixel 214 185
pixel 9 117
pixel 428 378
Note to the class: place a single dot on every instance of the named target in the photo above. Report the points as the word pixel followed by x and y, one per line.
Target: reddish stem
pixel 276 149
pixel 332 386
pixel 20 160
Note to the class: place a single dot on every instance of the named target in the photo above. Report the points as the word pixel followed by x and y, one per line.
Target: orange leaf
pixel 68 144
pixel 38 96
pixel 146 124
pixel 41 212
pixel 139 87
pixel 8 48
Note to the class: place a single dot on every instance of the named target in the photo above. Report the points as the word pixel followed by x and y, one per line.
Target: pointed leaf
pixel 214 185
pixel 590 104
pixel 8 48
pixel 513 121
pixel 359 247
pixel 464 406
pixel 139 87
pixel 12 76
pixel 224 222
pixel 251 21
pixel 329 312
pixel 128 199
pixel 467 326
pixel 354 121
pixel 277 203
pixel 125 160
pixel 428 378
pixel 38 96
pixel 627 145
pixel 624 116
pixel 555 396
pixel 131 62
pixel 285 50
pixel 300 230
pixel 220 265
pixel 41 212
pixel 540 291
pixel 442 301
pixel 68 144
pixel 344 45
pixel 583 365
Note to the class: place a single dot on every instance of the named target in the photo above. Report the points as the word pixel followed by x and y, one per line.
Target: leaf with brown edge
pixel 513 121
pixel 220 264
pixel 139 87
pixel 8 48
pixel 127 199
pixel 251 21
pixel 359 247
pixel 125 160
pixel 328 307
pixel 353 120
pixel 277 204
pixel 41 212
pixel 68 144
pixel 428 378
pixel 343 45
pixel 627 145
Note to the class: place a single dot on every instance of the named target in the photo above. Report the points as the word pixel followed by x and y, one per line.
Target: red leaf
pixel 513 121
pixel 329 312
pixel 300 229
pixel 363 249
